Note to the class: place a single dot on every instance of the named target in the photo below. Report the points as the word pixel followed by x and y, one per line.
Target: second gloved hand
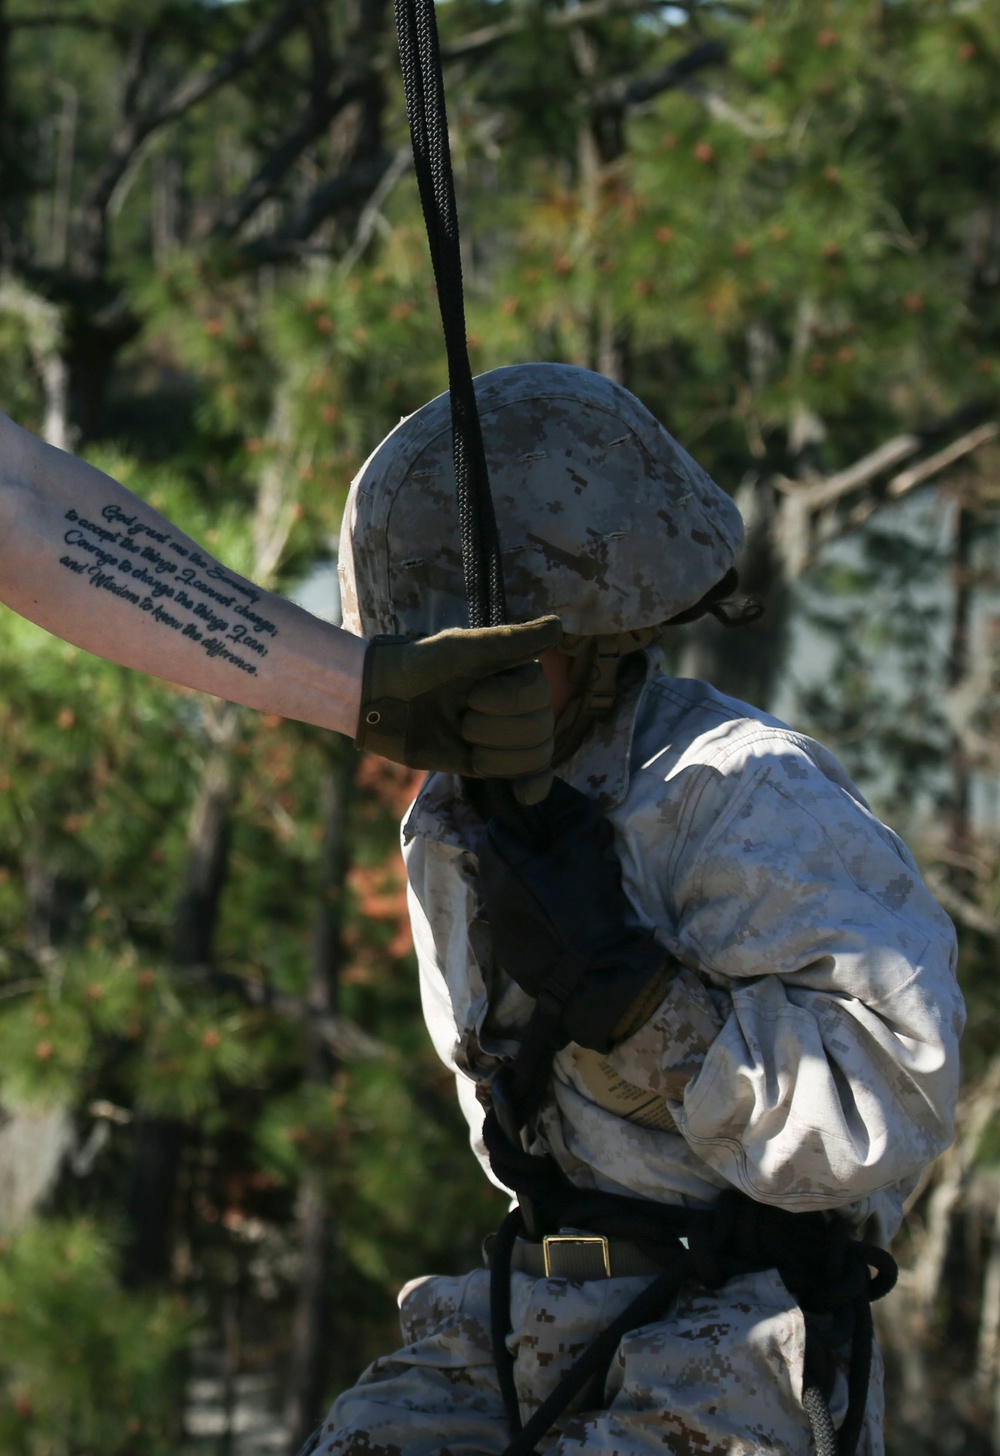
pixel 558 920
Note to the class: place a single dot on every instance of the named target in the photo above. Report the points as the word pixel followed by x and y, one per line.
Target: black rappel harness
pixel 827 1271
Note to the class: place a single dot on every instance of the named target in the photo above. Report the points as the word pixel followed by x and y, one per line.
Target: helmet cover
pixel 603 518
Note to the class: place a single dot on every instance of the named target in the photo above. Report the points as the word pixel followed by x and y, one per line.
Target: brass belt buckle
pixel 554 1244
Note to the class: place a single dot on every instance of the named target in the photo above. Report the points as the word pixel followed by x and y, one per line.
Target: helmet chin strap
pixel 594 672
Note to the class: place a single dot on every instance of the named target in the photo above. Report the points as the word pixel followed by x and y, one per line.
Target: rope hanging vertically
pixel 420 58
pixel 423 84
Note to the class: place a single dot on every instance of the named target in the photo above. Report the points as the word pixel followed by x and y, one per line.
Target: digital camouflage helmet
pixel 603 518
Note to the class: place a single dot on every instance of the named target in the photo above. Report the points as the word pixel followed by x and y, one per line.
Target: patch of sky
pixel 319 592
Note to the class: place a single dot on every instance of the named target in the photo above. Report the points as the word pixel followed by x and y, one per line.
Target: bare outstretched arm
pixel 85 558
pixel 91 562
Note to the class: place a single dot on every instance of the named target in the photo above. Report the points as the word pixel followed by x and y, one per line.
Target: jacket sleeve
pixel 835 1071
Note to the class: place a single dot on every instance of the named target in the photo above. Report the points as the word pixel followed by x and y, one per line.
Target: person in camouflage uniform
pixel 805 1048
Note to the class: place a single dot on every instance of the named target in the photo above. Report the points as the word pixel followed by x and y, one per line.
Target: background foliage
pixel 225 1143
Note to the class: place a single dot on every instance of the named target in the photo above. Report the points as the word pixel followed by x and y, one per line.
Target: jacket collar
pixel 600 768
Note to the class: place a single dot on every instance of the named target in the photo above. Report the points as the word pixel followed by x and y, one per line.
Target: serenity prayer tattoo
pixel 172 583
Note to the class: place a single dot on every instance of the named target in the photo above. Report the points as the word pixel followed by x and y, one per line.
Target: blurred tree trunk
pixel 600 149
pixel 943 1276
pixel 95 339
pixel 34 1140
pixel 314 1323
pixel 357 135
pixel 958 670
pixel 159 1141
pixel 207 865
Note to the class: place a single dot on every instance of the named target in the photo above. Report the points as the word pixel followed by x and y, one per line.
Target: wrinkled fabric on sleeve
pixel 836 1069
pixel 807 1052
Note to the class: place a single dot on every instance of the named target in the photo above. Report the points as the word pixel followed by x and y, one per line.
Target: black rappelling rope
pixel 423 83
pixel 420 57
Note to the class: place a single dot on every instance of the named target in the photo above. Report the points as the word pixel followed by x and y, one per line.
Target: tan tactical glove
pixel 469 702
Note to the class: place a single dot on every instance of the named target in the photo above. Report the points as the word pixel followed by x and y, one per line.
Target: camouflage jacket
pixel 807 1050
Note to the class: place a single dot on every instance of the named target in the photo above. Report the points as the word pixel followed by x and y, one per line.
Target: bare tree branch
pixel 317 28
pixel 918 474
pixel 809 513
pixel 632 91
pixel 344 1038
pixel 833 488
pixel 135 69
pixel 372 210
pixel 196 88
pixel 906 480
pixel 966 911
pixel 722 110
pixel 323 104
pixel 264 184
pixel 48 19
pixel 21 988
pixel 489 35
pixel 331 194
pixel 137 126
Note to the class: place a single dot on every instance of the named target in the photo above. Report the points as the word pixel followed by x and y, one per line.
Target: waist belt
pixel 580 1256
pixel 604 1235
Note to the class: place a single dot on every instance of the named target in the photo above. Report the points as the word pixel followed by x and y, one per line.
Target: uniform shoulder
pixel 686 722
pixel 743 805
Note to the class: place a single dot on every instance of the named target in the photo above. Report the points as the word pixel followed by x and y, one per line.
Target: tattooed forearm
pixel 172 582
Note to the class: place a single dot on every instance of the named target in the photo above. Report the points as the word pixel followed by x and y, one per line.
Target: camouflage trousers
pixel 722 1373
